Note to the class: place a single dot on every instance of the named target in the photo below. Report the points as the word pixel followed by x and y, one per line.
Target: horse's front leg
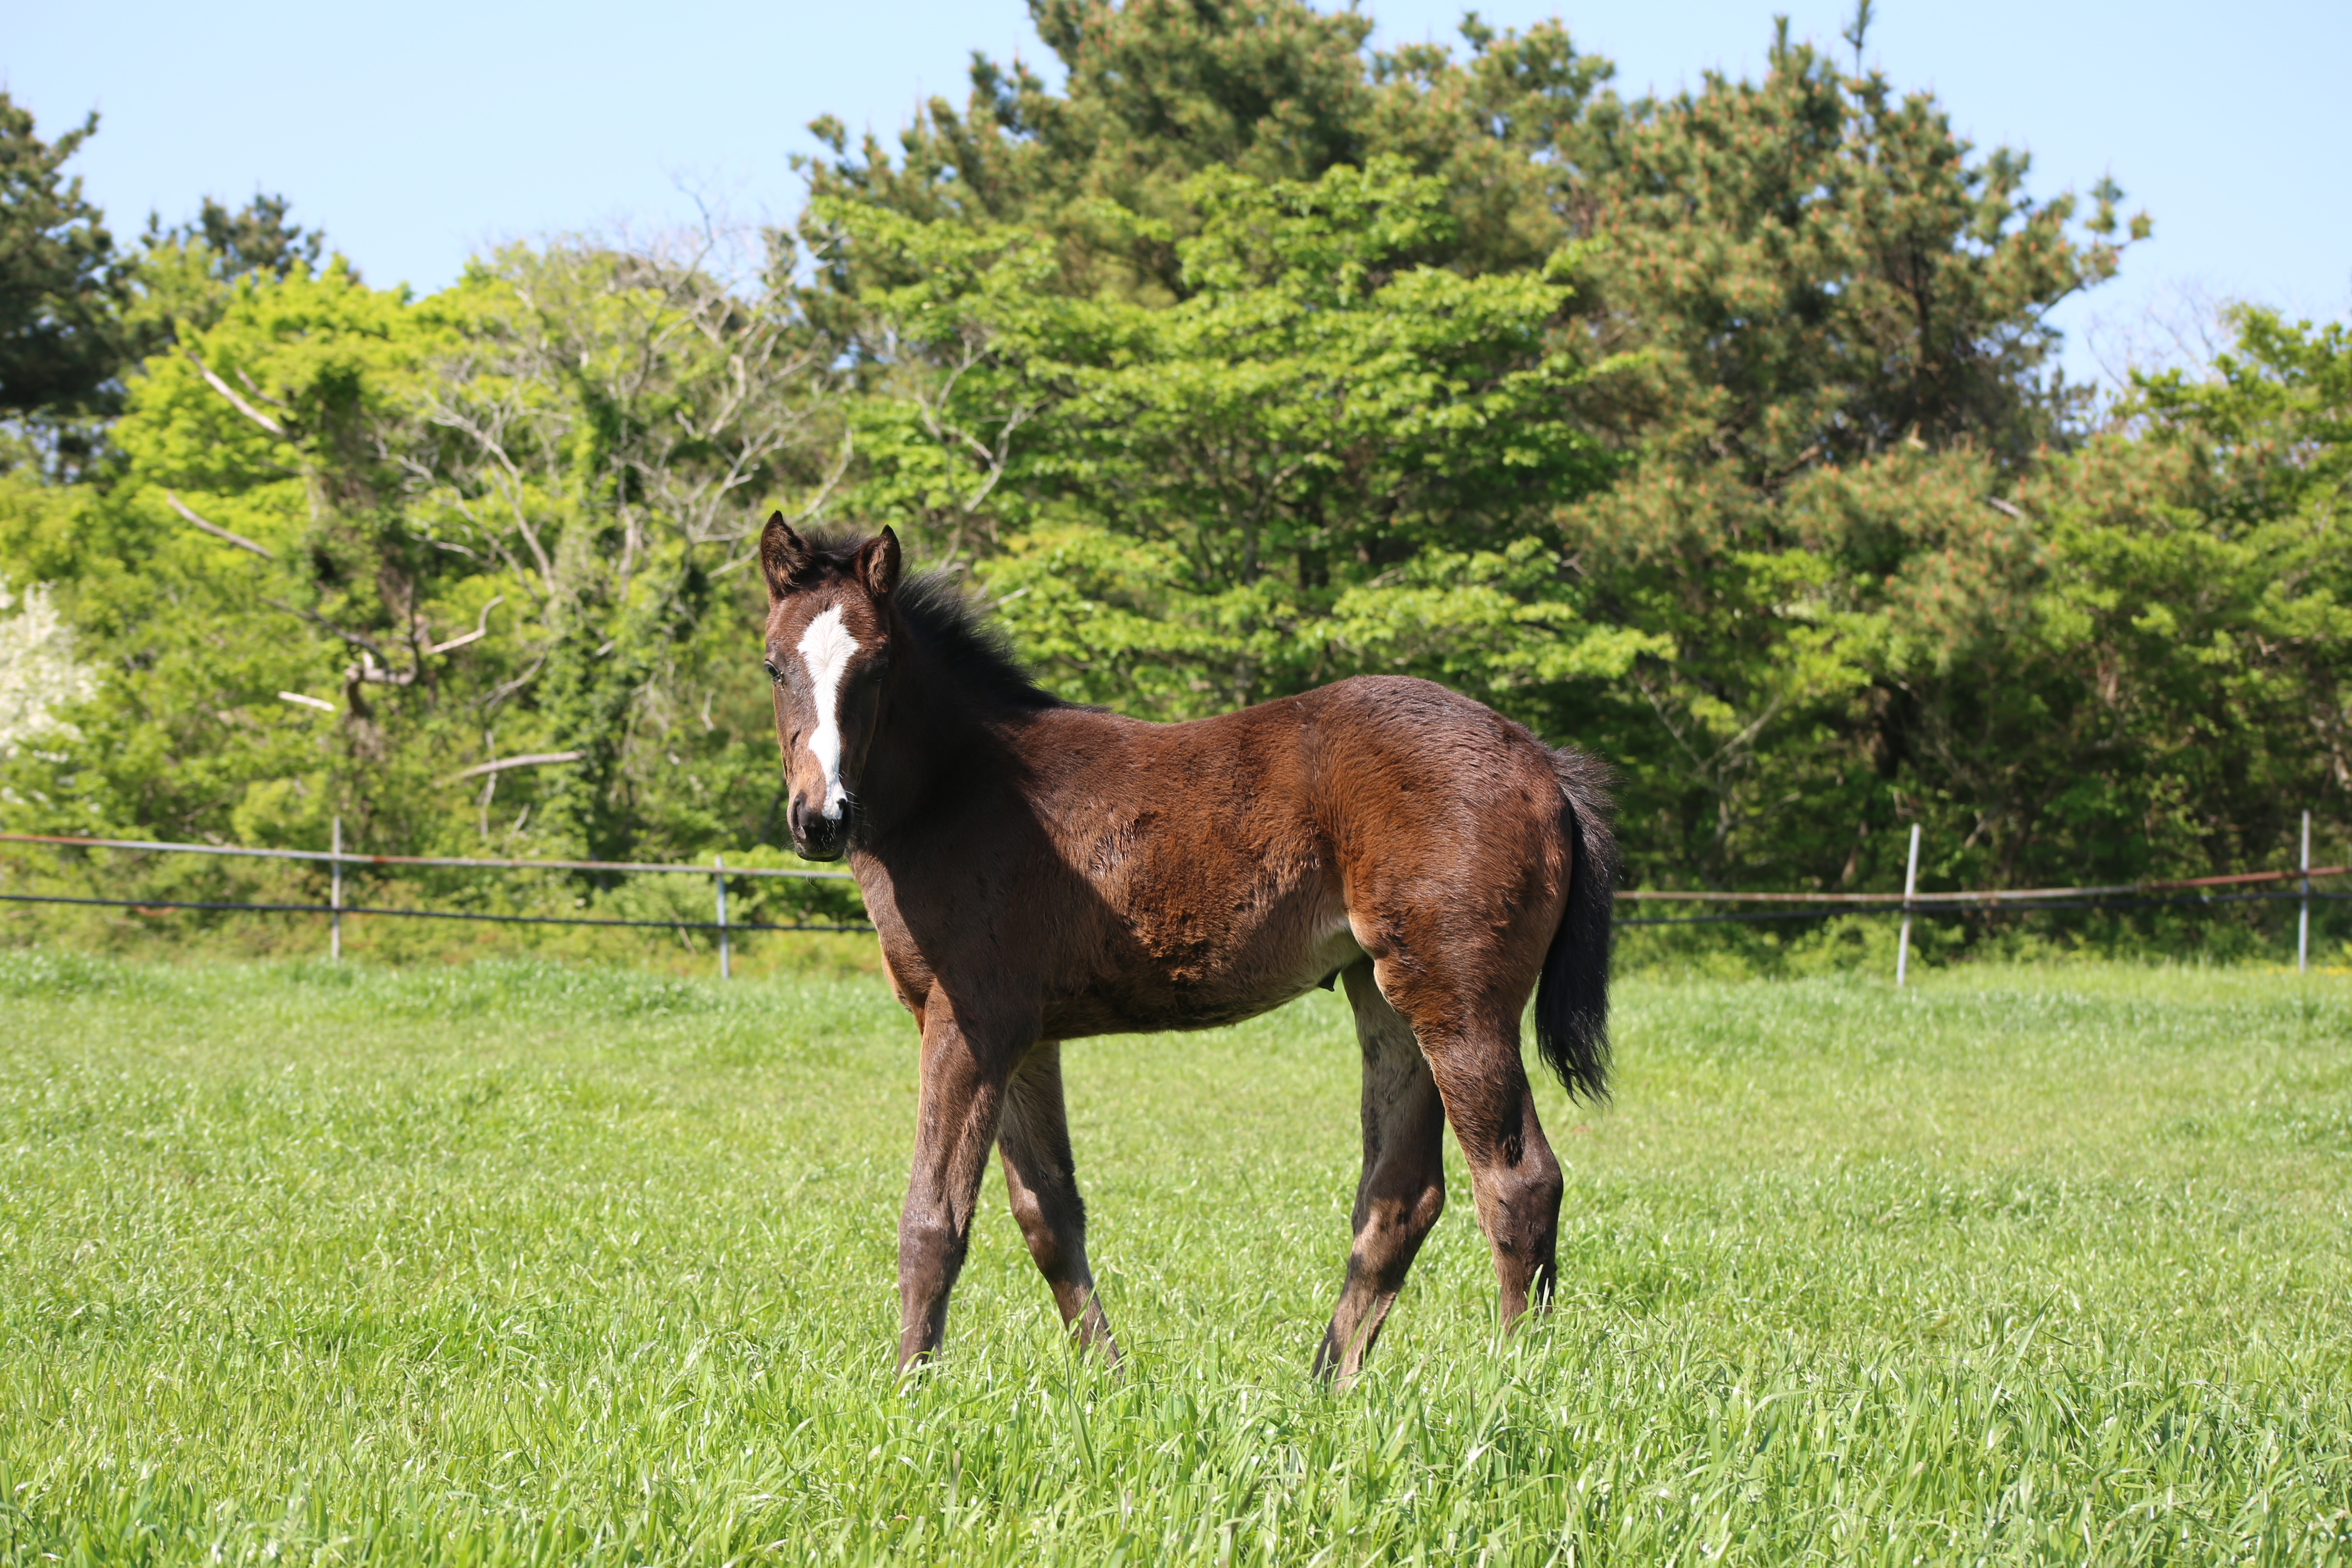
pixel 962 1099
pixel 1042 1180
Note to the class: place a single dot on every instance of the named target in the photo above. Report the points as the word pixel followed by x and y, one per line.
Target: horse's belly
pixel 1202 962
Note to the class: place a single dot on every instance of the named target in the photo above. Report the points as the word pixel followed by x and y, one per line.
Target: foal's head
pixel 830 624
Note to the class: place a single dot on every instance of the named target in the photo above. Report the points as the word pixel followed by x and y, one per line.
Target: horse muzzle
pixel 816 836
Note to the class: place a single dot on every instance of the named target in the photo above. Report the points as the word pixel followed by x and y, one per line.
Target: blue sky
pixel 419 136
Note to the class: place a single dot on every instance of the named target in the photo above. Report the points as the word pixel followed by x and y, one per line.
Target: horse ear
pixel 784 557
pixel 877 564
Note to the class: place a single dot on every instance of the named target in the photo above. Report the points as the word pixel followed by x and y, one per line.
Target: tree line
pixel 1722 433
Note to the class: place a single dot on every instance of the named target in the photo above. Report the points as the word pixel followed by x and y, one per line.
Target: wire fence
pixel 1948 907
pixel 2128 896
pixel 1908 904
pixel 1911 903
pixel 337 858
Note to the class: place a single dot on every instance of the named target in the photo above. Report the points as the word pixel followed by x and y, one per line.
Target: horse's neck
pixel 939 744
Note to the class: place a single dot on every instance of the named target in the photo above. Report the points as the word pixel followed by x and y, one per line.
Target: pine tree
pixel 62 282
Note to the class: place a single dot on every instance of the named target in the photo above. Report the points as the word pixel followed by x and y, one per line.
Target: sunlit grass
pixel 532 1263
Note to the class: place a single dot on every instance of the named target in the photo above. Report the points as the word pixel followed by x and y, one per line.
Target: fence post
pixel 719 881
pixel 1910 885
pixel 335 898
pixel 2303 925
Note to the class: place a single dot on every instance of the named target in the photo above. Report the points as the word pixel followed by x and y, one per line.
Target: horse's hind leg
pixel 1040 1178
pixel 1402 1189
pixel 1514 1178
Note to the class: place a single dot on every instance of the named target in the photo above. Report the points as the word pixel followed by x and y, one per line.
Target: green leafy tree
pixel 1611 412
pixel 1326 456
pixel 1720 433
pixel 1832 318
pixel 185 276
pixel 504 521
pixel 1823 271
pixel 1158 91
pixel 2126 660
pixel 255 240
pixel 2196 645
pixel 62 286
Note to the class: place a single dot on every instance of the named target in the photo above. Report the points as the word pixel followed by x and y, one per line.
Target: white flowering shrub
pixel 39 674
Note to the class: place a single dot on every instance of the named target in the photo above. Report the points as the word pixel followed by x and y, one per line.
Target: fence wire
pixel 1924 904
pixel 422 914
pixel 1946 906
pixel 339 860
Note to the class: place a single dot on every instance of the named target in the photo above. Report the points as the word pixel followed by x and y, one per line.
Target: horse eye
pixel 774 674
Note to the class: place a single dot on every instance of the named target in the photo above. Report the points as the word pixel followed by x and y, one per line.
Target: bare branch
pixel 536 759
pixel 217 530
pixel 370 673
pixel 237 402
pixel 253 387
pixel 481 629
pixel 825 492
pixel 517 684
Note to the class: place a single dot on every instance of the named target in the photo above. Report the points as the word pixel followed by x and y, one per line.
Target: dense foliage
pixel 1721 433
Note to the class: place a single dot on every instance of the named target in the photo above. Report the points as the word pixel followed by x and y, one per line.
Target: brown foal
pixel 1039 872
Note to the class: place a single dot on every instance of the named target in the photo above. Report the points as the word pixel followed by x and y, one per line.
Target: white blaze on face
pixel 826 647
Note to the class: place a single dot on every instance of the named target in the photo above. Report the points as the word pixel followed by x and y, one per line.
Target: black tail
pixel 1572 998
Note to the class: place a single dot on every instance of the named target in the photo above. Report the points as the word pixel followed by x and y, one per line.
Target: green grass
pixel 528 1263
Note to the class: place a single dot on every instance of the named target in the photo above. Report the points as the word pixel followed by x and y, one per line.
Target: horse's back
pixel 1233 862
pixel 1391 742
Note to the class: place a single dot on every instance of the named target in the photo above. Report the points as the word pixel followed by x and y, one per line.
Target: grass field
pixel 535 1263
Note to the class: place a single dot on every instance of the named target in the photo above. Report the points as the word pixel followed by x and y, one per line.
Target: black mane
pixel 949 622
pixel 935 607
